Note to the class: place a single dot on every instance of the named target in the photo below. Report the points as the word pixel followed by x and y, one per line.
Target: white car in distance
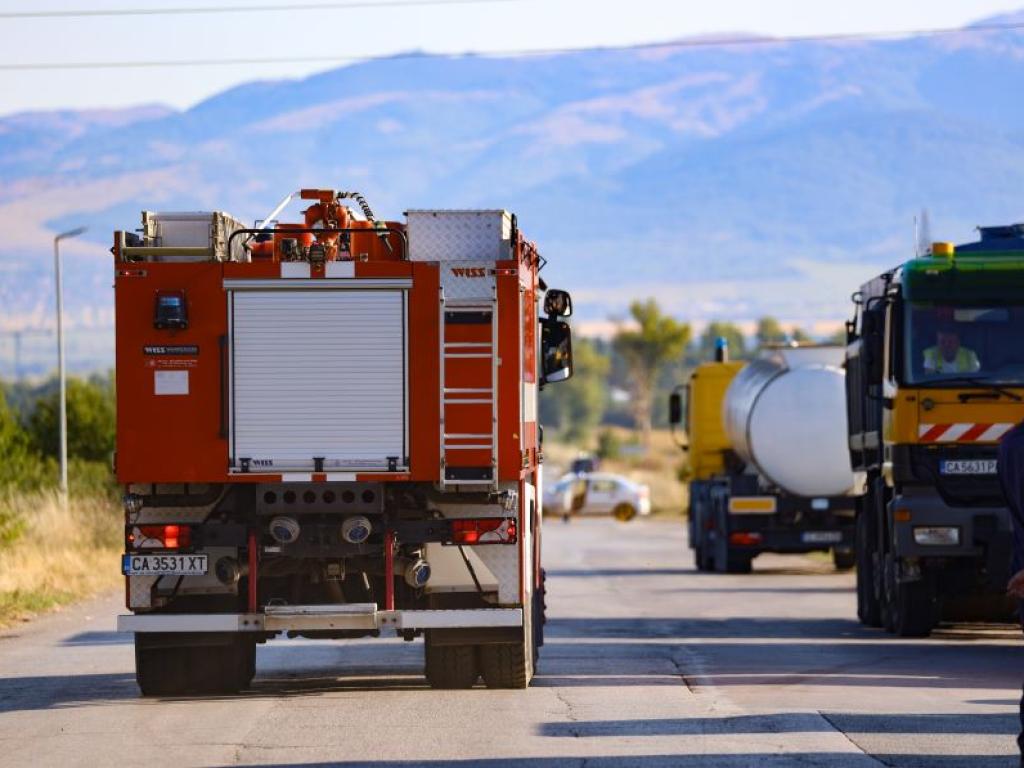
pixel 598 493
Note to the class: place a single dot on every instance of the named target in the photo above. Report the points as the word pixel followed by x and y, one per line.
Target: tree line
pixel 626 380
pixel 29 434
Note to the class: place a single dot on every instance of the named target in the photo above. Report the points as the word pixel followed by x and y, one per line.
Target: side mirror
pixel 557 303
pixel 556 350
pixel 675 409
pixel 872 331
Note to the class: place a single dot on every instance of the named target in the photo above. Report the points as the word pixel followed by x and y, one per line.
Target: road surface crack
pixel 846 736
pixel 570 713
pixel 691 684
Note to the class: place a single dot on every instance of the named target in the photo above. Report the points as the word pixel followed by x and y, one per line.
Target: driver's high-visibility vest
pixel 964 362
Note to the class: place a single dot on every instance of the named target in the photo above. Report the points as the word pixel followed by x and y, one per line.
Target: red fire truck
pixel 328 429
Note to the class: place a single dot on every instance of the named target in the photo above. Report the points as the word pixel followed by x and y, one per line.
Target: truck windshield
pixel 953 342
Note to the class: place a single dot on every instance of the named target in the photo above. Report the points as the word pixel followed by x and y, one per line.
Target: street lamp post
pixel 61 375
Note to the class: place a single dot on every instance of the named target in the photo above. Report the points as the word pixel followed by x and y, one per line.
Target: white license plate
pixel 822 537
pixel 967 467
pixel 164 565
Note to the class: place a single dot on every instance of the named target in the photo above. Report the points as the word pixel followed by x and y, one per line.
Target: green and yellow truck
pixel 935 377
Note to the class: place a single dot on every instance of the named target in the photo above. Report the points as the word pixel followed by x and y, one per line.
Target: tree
pixel 657 339
pixel 576 406
pixel 20 466
pixel 728 331
pixel 800 336
pixel 91 420
pixel 770 331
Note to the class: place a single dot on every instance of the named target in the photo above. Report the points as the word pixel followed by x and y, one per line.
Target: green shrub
pixel 609 446
pixel 91 421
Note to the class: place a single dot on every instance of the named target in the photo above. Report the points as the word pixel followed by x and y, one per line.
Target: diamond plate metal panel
pixel 459 235
pixel 140 591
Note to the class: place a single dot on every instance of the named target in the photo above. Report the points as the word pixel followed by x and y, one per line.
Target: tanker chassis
pixel 328 429
pixel 767 473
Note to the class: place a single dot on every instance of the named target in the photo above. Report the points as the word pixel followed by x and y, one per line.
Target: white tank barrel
pixel 785 415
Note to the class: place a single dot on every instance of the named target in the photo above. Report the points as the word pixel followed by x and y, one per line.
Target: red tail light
pixel 484 530
pixel 160 537
pixel 743 539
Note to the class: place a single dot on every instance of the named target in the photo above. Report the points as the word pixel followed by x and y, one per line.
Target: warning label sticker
pixel 170 382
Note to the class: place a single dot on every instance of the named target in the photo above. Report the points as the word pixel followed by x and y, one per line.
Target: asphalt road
pixel 647 664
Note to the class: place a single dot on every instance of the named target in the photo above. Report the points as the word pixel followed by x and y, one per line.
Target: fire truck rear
pixel 328 429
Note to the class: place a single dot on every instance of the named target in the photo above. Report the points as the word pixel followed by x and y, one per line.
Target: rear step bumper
pixel 282 618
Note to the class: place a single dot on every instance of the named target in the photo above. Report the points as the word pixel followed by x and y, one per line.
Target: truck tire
pixel 158 671
pixel 450 667
pixel 914 609
pixel 843 559
pixel 504 666
pixel 248 659
pixel 869 609
pixel 888 598
pixel 701 561
pixel 738 562
pixel 169 665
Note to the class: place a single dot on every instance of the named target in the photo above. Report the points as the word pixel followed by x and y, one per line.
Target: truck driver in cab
pixel 948 355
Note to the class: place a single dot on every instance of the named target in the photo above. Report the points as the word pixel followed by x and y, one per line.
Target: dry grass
pixel 657 466
pixel 58 554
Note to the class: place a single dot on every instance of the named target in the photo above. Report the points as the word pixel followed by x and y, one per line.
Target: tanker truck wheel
pixel 739 562
pixel 843 559
pixel 450 666
pixel 702 559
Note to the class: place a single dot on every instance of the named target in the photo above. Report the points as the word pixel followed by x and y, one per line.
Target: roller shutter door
pixel 318 374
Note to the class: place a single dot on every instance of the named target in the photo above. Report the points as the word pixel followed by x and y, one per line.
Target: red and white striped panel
pixel 962 433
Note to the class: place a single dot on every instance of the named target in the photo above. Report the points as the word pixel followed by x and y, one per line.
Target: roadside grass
pixel 657 466
pixel 52 554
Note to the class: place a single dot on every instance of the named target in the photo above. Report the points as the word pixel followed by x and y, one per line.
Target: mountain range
pixel 727 181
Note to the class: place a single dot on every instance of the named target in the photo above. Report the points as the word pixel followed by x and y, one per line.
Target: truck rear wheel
pixel 843 558
pixel 738 562
pixel 167 664
pixel 505 666
pixel 701 560
pixel 869 609
pixel 450 666
pixel 913 609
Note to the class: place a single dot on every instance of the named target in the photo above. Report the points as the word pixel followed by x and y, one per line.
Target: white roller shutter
pixel 318 374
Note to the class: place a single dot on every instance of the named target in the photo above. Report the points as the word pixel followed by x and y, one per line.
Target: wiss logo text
pixel 469 271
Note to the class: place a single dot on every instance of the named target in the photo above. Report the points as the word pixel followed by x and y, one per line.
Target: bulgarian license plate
pixel 822 537
pixel 967 467
pixel 164 565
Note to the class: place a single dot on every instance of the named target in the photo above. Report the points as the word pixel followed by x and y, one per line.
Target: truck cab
pixel 935 377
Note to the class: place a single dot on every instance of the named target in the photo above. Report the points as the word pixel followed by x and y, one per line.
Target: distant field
pixel 658 466
pixel 51 555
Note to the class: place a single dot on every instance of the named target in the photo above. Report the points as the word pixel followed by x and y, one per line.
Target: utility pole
pixel 16 341
pixel 61 373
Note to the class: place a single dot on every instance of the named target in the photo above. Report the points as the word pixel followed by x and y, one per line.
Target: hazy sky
pixel 483 26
